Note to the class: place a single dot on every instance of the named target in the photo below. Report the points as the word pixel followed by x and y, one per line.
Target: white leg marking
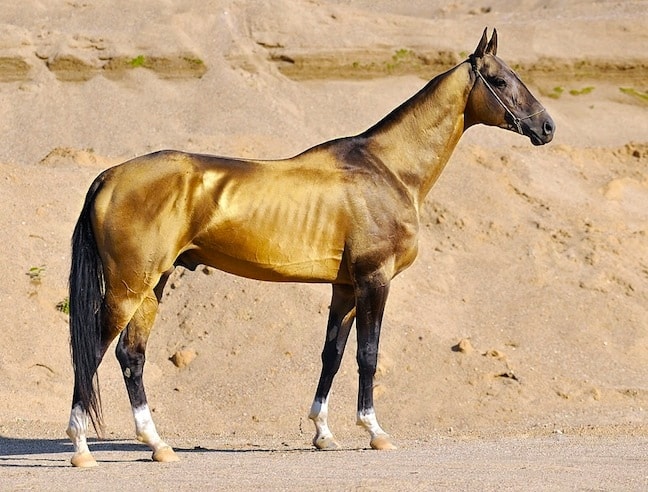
pixel 379 438
pixel 319 415
pixel 367 419
pixel 323 436
pixel 76 431
pixel 147 433
pixel 145 428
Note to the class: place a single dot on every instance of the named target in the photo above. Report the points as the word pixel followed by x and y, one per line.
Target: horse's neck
pixel 416 139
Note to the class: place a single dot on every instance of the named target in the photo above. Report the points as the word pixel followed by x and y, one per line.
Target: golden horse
pixel 345 212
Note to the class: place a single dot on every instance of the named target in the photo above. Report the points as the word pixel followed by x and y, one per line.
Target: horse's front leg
pixel 371 296
pixel 341 317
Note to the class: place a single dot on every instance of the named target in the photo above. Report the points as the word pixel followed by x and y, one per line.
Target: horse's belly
pixel 323 271
pixel 272 264
pixel 274 252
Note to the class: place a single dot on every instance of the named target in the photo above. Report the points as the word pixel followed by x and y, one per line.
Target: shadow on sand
pixel 16 452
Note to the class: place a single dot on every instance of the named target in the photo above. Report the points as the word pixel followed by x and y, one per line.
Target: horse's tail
pixel 86 297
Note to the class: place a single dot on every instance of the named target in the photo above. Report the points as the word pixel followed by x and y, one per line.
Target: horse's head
pixel 499 98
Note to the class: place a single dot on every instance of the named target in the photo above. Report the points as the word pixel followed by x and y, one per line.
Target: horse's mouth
pixel 536 140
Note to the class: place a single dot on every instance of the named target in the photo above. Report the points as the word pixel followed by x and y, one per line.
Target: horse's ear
pixel 481 47
pixel 492 44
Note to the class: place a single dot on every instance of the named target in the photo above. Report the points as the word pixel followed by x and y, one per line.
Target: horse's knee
pixel 129 356
pixel 131 360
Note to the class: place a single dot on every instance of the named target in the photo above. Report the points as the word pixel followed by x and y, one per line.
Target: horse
pixel 344 212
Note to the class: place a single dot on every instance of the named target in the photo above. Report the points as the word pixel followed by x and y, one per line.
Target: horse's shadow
pixel 21 452
pixel 16 452
pixel 12 446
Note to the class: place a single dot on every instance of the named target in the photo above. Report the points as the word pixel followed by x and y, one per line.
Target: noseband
pixel 516 121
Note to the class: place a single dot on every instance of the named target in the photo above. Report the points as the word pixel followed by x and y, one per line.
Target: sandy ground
pixel 538 257
pixel 534 464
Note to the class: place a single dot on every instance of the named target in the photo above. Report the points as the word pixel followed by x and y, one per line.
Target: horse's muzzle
pixel 542 131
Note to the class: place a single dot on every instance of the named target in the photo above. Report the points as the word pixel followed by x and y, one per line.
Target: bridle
pixel 516 121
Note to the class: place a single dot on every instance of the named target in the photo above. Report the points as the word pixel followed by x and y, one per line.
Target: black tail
pixel 86 305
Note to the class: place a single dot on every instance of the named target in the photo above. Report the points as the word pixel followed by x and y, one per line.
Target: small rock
pixel 464 346
pixel 182 358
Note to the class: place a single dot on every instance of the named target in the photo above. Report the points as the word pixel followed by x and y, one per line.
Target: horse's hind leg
pixel 77 431
pixel 130 352
pixel 340 320
pixel 79 418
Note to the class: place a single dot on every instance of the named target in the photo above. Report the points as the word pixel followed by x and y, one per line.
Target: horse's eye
pixel 498 82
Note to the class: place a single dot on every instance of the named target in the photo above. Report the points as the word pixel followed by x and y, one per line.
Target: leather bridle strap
pixel 516 121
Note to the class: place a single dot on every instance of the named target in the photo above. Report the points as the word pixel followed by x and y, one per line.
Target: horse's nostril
pixel 548 127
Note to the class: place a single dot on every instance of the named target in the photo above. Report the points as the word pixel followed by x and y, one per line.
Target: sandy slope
pixel 537 256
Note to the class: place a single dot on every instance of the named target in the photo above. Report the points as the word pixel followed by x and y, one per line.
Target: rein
pixel 516 121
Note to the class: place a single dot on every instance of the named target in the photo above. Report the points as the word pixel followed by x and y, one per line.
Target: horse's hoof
pixel 326 444
pixel 165 455
pixel 382 443
pixel 83 460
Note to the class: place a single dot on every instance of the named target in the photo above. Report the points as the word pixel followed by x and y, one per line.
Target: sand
pixel 533 260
